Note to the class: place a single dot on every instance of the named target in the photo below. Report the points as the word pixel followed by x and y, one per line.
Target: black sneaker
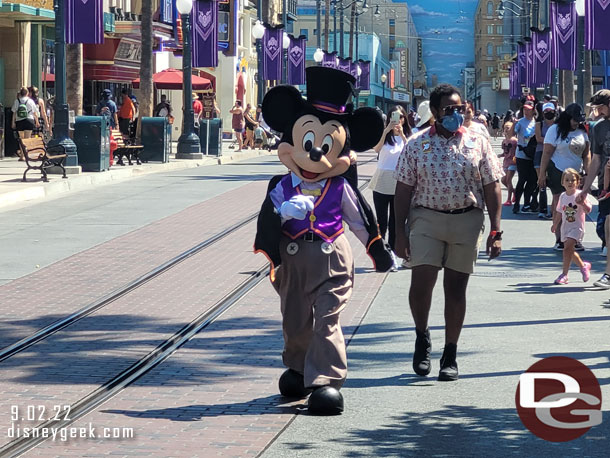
pixel 603 282
pixel 421 355
pixel 449 367
pixel 526 209
pixel 558 246
pixel 516 209
pixel 578 247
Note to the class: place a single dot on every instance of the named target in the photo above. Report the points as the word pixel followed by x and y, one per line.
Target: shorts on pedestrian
pixel 25 124
pixel 445 240
pixel 553 179
pixel 511 168
pixel 537 159
pixel 239 130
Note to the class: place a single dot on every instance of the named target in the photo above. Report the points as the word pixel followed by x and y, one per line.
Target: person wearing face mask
pixel 548 119
pixel 383 184
pixel 566 145
pixel 525 130
pixel 446 177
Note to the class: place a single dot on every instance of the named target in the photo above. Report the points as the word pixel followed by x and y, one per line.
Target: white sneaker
pixel 395 263
pixel 406 263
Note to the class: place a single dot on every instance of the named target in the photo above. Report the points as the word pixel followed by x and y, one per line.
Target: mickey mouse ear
pixel 365 128
pixel 280 105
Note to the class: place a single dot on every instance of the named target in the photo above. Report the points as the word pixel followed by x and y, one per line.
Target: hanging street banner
pixel 296 60
pixel 365 75
pixel 345 65
pixel 563 27
pixel 204 18
pixel 541 57
pixel 84 21
pixel 521 63
pixel 597 20
pixel 272 53
pixel 330 59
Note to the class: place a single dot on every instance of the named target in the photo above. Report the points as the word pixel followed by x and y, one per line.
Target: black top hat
pixel 329 90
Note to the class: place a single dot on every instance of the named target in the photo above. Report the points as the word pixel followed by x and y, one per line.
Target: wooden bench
pixel 125 147
pixel 38 156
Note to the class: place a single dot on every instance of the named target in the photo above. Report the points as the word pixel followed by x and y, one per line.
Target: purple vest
pixel 326 218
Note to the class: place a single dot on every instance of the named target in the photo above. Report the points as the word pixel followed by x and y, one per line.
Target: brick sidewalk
pixel 99 345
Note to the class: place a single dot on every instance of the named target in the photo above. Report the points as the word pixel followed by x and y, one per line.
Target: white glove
pixel 297 207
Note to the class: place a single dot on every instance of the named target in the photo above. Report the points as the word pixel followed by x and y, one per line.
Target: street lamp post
pixel 335 25
pixel 258 31
pixel 383 80
pixel 62 117
pixel 189 146
pixel 365 8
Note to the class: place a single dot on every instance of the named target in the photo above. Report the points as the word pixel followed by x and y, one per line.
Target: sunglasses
pixel 450 109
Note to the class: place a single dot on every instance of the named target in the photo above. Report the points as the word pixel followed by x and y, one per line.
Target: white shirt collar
pixel 296 180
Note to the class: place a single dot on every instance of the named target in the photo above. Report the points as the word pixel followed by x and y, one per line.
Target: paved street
pixel 217 395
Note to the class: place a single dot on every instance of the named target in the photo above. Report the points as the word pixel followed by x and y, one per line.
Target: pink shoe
pixel 561 280
pixel 586 271
pixel 508 203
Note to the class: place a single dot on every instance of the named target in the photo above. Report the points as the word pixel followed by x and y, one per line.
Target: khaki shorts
pixel 445 240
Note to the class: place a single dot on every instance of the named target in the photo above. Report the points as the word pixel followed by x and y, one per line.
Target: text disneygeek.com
pixel 66 433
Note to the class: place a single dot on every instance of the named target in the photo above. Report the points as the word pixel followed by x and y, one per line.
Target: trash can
pixel 10 142
pixel 92 139
pixel 156 139
pixel 210 136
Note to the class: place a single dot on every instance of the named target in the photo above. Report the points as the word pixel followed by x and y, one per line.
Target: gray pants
pixel 314 287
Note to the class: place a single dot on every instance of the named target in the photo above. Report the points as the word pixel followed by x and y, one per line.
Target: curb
pixel 58 186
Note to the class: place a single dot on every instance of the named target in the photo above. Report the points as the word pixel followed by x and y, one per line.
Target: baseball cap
pixel 601 97
pixel 575 111
pixel 424 113
pixel 107 91
pixel 529 104
pixel 548 106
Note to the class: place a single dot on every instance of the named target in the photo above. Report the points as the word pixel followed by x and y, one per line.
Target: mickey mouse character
pixel 300 228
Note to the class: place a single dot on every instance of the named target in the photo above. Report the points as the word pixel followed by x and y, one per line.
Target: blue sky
pixel 447 30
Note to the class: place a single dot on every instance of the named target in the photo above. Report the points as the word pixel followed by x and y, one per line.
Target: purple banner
pixel 345 65
pixel 541 57
pixel 296 60
pixel 204 20
pixel 529 67
pixel 353 70
pixel 597 19
pixel 563 26
pixel 521 63
pixel 84 21
pixel 365 76
pixel 272 53
pixel 330 59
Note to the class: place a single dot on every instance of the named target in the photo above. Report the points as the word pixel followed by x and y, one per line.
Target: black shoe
pixel 578 247
pixel 526 209
pixel 449 367
pixel 292 385
pixel 325 400
pixel 421 355
pixel 516 209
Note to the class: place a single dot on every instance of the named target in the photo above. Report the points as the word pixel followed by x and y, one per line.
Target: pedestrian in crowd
pixel 425 117
pixel 525 129
pixel 251 124
pixel 509 117
pixel 509 148
pixel 566 145
pixel 25 116
pixel 569 219
pixel 445 218
pixel 126 113
pixel 495 125
pixel 163 108
pixel 471 123
pixel 383 183
pixel 598 169
pixel 542 126
pixel 197 110
pixel 43 120
pixel 136 114
pixel 237 122
pixel 106 106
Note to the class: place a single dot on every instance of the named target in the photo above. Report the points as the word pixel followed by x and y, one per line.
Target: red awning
pixel 172 79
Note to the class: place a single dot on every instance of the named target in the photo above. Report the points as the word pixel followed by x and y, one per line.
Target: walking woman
pixel 525 129
pixel 237 122
pixel 43 120
pixel 383 183
pixel 251 124
pixel 566 145
pixel 548 115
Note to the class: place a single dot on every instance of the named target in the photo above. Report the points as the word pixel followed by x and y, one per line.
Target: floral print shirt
pixel 448 174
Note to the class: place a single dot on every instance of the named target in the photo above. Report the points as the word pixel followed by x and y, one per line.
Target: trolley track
pixel 155 357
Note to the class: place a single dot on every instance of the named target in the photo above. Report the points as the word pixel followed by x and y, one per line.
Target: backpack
pixel 22 109
pixel 530 148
